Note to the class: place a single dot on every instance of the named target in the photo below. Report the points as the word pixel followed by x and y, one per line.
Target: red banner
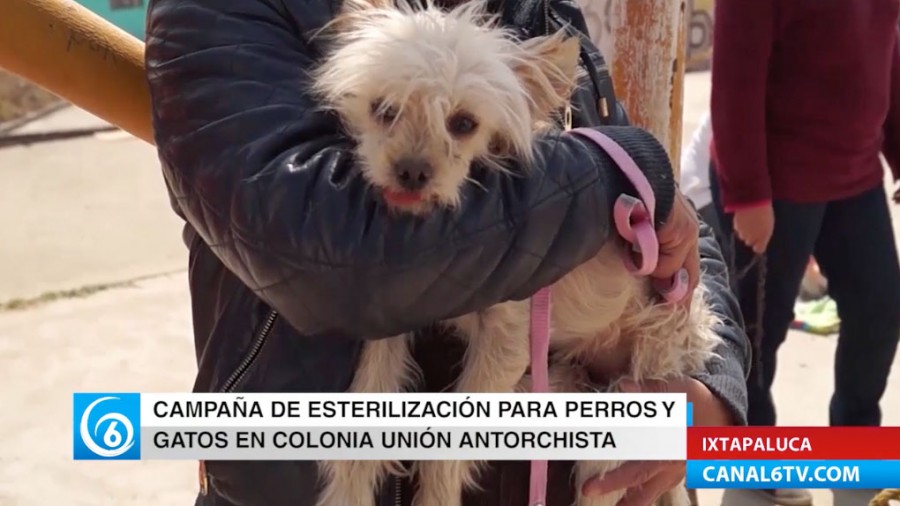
pixel 793 443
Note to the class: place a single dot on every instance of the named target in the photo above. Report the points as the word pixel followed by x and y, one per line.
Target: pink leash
pixel 634 222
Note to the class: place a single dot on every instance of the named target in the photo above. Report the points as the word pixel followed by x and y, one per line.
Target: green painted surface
pixel 129 15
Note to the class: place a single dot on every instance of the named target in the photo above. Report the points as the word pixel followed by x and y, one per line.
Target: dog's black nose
pixel 413 173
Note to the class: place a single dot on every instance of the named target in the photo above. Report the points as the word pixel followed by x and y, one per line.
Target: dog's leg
pixel 666 342
pixel 571 378
pixel 586 470
pixel 497 357
pixel 385 366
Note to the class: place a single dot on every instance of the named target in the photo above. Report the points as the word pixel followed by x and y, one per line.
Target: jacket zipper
pixel 261 336
pixel 241 371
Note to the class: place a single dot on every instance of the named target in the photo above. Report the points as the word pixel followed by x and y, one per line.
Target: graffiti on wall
pixel 699 34
pixel 597 13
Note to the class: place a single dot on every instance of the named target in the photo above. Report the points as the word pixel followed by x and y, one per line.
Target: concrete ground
pixel 93 212
pixel 82 212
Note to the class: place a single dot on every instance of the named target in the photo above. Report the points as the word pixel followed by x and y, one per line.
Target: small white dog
pixel 426 93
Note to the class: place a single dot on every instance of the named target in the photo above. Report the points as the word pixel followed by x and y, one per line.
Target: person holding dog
pixel 293 263
pixel 805 96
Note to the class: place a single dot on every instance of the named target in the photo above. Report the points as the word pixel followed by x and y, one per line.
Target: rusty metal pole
pixel 645 44
pixel 647 60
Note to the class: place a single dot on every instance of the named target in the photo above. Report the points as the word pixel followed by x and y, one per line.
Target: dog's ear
pixel 549 70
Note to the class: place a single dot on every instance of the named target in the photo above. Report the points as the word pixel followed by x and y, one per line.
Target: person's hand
pixel 643 481
pixel 754 226
pixel 678 244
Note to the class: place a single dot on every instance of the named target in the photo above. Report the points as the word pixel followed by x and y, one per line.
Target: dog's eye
pixel 383 112
pixel 461 124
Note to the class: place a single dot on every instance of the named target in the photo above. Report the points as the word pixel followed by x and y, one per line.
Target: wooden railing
pixel 77 55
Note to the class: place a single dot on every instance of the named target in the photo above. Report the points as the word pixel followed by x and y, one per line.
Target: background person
pixel 805 95
pixel 694 176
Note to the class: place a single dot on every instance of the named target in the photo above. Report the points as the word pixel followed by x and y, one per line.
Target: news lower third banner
pixel 446 426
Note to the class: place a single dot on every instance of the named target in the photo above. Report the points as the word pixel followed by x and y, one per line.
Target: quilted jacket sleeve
pixel 268 181
pixel 725 375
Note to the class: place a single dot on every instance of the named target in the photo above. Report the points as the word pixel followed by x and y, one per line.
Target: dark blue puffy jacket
pixel 292 265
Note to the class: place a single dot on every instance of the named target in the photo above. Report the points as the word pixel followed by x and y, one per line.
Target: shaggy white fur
pixel 426 93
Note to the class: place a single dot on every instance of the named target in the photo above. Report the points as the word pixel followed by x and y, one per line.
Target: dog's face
pixel 426 92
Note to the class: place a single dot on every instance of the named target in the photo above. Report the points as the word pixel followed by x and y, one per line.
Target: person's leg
pixel 857 254
pixel 767 303
pixel 793 240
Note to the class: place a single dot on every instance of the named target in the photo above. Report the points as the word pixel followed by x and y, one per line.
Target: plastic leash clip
pixel 635 224
pixel 634 218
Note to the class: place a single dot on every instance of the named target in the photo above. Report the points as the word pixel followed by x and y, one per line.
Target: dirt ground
pixel 19 97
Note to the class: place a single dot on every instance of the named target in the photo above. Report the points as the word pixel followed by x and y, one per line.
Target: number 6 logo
pixel 112 438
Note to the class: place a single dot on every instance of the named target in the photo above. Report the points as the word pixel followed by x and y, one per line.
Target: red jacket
pixel 805 94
